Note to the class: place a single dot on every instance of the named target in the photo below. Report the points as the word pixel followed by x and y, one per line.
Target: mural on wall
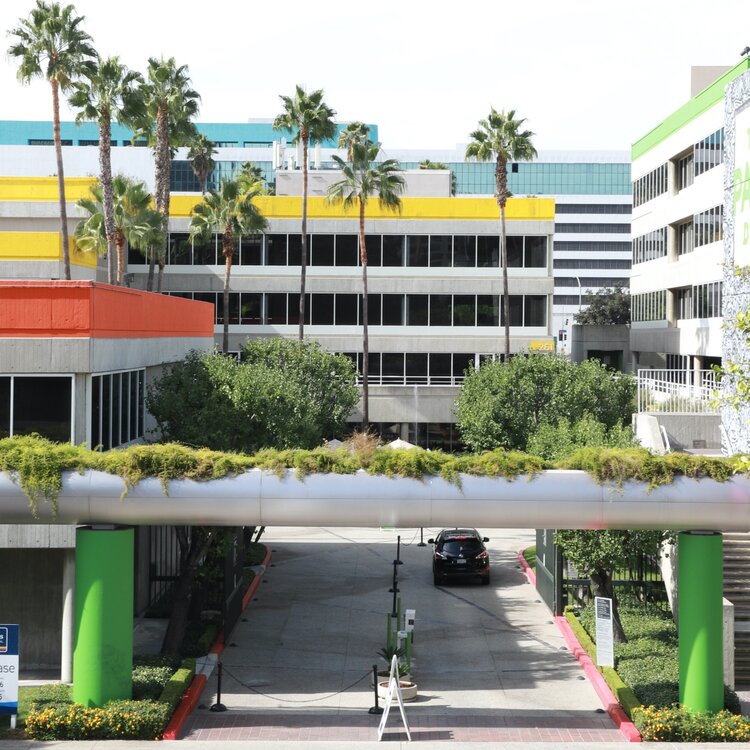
pixel 735 412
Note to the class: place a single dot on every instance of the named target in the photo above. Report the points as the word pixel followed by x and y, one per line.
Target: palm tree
pixel 310 117
pixel 250 174
pixel 361 180
pixel 108 92
pixel 51 45
pixel 169 106
pixel 230 211
pixel 201 158
pixel 135 222
pixel 354 132
pixel 427 164
pixel 500 137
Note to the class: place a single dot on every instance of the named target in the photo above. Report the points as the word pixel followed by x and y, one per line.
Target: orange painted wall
pixel 93 310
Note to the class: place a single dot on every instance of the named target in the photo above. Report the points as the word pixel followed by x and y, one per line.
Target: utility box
pixel 409 617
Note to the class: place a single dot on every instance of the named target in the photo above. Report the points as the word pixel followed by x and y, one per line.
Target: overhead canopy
pixel 553 499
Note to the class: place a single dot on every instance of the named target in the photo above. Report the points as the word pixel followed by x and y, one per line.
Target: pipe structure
pixel 553 499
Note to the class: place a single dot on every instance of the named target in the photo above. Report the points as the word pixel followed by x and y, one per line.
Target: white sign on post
pixel 9 672
pixel 605 644
pixel 394 688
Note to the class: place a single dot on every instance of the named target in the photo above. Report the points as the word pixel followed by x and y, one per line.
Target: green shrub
pixel 148 682
pixel 178 684
pixel 674 724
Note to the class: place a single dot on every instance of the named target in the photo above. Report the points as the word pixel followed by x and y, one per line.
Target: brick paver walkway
pixel 296 726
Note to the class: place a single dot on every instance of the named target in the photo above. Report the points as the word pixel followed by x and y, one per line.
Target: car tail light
pixel 483 556
pixel 440 556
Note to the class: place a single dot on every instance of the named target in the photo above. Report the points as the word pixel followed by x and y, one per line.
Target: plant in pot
pixel 408 688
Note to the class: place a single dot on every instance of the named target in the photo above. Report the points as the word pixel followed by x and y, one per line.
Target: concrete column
pixel 68 615
pixel 103 653
pixel 701 621
pixel 405 431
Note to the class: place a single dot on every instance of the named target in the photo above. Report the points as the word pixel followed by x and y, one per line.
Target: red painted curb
pixel 614 709
pixel 193 693
pixel 523 562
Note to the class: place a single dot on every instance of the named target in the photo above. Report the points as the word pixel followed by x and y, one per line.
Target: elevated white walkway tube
pixel 553 499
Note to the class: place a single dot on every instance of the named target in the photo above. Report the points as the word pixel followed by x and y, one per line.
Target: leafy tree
pixel 308 117
pixel 108 91
pixel 284 394
pixel 134 221
pixel 500 137
pixel 427 164
pixel 596 554
pixel 558 440
pixel 230 211
pixel 608 307
pixel 502 404
pixel 50 44
pixel 361 180
pixel 169 104
pixel 201 158
pixel 354 132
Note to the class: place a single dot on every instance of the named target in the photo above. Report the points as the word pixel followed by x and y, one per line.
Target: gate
pixel 549 570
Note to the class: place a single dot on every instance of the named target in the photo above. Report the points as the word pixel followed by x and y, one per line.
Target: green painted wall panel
pixel 103 646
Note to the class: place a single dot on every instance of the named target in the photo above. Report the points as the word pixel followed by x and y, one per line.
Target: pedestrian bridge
pixel 552 499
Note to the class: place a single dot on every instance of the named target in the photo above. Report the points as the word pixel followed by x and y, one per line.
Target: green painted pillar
pixel 699 566
pixel 103 646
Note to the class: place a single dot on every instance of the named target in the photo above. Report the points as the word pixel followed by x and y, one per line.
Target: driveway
pixel 489 663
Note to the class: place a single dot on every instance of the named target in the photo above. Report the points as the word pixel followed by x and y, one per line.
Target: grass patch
pixel 529 554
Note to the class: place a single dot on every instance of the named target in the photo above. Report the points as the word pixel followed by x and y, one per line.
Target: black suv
pixel 460 552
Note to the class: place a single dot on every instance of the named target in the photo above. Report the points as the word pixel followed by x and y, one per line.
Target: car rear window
pixel 455 546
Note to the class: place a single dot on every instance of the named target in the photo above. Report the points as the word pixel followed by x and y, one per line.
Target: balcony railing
pixel 431 380
pixel 677 391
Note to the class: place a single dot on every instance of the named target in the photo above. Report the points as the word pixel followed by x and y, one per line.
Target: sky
pixel 587 74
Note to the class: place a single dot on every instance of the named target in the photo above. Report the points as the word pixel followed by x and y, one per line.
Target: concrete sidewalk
pixel 489 663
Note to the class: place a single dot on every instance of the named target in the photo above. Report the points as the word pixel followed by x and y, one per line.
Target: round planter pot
pixel 385 676
pixel 408 689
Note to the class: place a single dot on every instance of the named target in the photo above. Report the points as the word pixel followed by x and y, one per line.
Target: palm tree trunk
pixel 228 248
pixel 60 178
pixel 120 243
pixel 365 332
pixel 162 195
pixel 303 258
pixel 105 177
pixel 501 181
pixel 150 280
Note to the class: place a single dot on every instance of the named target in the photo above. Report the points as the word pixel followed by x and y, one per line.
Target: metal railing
pixel 677 392
pixel 431 380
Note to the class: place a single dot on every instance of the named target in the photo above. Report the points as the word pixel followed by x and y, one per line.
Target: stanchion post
pixel 375 709
pixel 421 538
pixel 218 707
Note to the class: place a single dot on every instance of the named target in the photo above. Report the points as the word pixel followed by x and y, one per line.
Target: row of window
pixel 685 172
pixel 650 246
pixel 572 299
pixel 342 250
pixel 593 208
pixel 41 404
pixel 282 308
pixel 649 306
pixel 651 185
pixel 709 152
pixel 593 228
pixel 703 229
pixel 588 282
pixel 117 408
pixel 81 142
pixel 700 301
pixel 592 263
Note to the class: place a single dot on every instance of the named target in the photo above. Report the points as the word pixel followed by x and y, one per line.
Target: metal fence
pixel 677 392
pixel 639 582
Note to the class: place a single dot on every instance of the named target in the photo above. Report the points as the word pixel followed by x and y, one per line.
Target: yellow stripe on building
pixel 290 207
pixel 43 188
pixel 41 246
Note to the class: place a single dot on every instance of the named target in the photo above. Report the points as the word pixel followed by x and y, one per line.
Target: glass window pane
pixel 4 407
pixel 416 250
pixel 276 303
pixel 535 310
pixel 42 405
pixel 488 252
pixel 416 368
pixel 322 310
pixel 440 368
pixel 464 251
pixel 441 250
pixel 373 248
pixel 293 301
pixel 294 254
pixel 346 309
pixel 322 250
pixel 346 250
pixel 393 309
pixel 464 310
pixel 373 364
pixel 276 249
pixel 393 250
pixel 441 309
pixel 116 408
pixel 250 308
pixel 373 310
pixel 515 252
pixel 134 405
pixel 488 310
pixel 96 395
pixel 251 251
pixel 461 363
pixel 204 252
pixel 106 438
pixel 180 252
pixel 417 309
pixel 516 310
pixel 393 367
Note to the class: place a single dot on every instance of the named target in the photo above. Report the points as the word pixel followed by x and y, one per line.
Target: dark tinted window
pixel 346 250
pixel 515 252
pixel 536 252
pixel 252 251
pixel 469 545
pixel 441 309
pixel 393 309
pixel 464 310
pixel 393 250
pixel 204 252
pixel 441 250
pixel 464 252
pixel 42 405
pixel 416 245
pixel 373 244
pixel 346 309
pixel 322 250
pixel 276 248
pixel 488 252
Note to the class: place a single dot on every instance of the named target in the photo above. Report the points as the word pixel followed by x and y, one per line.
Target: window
pixel 593 208
pixel 587 263
pixel 346 309
pixel 708 226
pixel 204 252
pixel 649 306
pixel 4 407
pixel 251 308
pixel 251 251
pixel 180 250
pixel 535 252
pixel 709 152
pixel 534 310
pixel 488 310
pixel 417 307
pixel 441 251
pixel 464 251
pixel 441 309
pixel 374 248
pixel 685 238
pixel 393 309
pixel 464 310
pixel 416 368
pixel 322 309
pixel 488 252
pixel 117 408
pixel 322 250
pixel 346 250
pixel 276 249
pixel 593 228
pixel 650 246
pixel 650 186
pixel 294 249
pixel 592 247
pixel 707 300
pixel 685 172
pixel 41 404
pixel 417 254
pixel 276 309
pixel 393 250
pixel 514 250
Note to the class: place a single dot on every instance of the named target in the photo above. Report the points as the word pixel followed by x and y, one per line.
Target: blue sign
pixel 9 669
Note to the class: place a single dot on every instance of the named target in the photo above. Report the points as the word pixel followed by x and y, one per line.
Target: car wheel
pixel 486 580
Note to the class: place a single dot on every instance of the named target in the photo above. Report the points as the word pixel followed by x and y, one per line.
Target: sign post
pixel 605 644
pixel 9 672
pixel 394 691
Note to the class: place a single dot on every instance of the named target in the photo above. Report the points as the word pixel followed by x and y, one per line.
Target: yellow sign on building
pixel 542 346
